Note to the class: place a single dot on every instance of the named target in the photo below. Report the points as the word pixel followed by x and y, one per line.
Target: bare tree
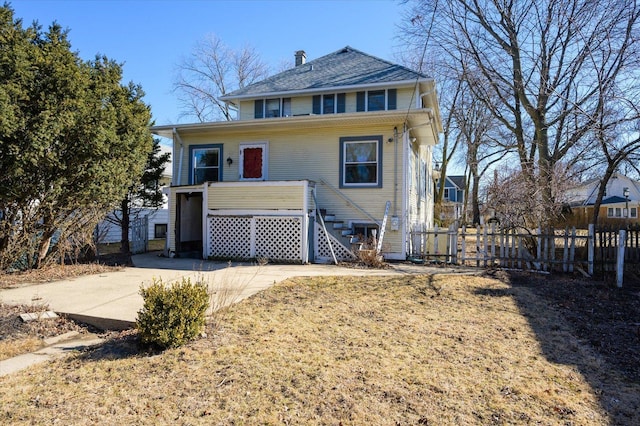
pixel 480 136
pixel 211 70
pixel 517 202
pixel 532 64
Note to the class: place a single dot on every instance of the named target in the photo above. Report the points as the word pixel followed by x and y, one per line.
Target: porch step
pixel 338 228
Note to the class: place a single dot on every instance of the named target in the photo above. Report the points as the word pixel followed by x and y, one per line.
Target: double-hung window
pixel 205 163
pixel 361 162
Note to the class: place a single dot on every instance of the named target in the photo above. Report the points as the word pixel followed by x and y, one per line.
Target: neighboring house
pixel 620 203
pixel 344 135
pixel 157 219
pixel 452 207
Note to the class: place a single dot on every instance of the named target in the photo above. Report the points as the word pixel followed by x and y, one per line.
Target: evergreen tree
pixel 145 193
pixel 71 139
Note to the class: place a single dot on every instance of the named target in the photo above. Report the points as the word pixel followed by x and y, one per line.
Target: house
pixel 453 198
pixel 329 151
pixel 620 203
pixel 157 220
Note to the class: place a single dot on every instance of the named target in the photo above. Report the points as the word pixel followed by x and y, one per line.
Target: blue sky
pixel 151 36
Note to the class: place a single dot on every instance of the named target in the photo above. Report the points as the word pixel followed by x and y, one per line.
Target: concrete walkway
pixel 112 300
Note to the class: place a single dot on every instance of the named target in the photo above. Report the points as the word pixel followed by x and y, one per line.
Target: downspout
pixel 395 172
pixel 177 137
pixel 405 192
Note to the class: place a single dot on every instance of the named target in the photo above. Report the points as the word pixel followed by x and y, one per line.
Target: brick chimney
pixel 301 57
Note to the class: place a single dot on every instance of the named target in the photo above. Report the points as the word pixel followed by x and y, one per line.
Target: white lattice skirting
pixel 323 251
pixel 278 238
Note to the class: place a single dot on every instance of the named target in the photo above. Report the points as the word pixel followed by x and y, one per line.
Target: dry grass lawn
pixel 434 350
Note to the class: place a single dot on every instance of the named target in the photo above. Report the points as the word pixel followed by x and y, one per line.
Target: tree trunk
pixel 601 190
pixel 125 248
pixel 475 204
pixel 45 242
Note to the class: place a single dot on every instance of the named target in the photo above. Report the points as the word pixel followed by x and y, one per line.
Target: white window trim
pixel 265 157
pixel 375 184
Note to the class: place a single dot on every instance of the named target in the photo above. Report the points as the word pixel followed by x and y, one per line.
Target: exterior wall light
pixel 229 161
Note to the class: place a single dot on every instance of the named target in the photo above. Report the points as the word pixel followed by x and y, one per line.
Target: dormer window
pixel 376 100
pixel 273 107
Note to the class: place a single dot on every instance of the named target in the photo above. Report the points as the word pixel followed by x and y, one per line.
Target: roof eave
pixel 325 89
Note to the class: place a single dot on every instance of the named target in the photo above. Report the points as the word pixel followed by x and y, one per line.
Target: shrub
pixel 172 314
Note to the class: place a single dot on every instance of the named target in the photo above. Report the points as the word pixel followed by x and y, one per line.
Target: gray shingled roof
pixel 458 181
pixel 345 67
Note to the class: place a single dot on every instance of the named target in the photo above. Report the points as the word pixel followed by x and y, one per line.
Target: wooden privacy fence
pixel 590 250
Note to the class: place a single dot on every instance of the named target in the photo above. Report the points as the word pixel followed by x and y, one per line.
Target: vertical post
pixel 493 243
pixel 591 242
pixel 435 242
pixel 620 258
pixel 565 251
pixel 514 255
pixel 539 248
pixel 521 264
pixel 502 247
pixel 453 238
pixel 463 242
pixel 486 245
pixel 572 249
pixel 478 246
pixel 552 233
pixel 545 251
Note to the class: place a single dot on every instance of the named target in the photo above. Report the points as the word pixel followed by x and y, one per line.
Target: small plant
pixel 368 254
pixel 172 314
pixel 227 290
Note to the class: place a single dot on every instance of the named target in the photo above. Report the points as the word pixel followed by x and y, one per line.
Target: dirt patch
pixel 600 315
pixel 54 273
pixel 17 336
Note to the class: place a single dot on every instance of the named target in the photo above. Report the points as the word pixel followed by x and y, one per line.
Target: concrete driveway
pixel 112 300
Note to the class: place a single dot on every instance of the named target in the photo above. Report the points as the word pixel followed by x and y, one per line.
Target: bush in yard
pixel 172 314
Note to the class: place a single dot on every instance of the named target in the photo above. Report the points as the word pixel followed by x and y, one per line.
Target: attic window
pixel 329 104
pixel 273 107
pixel 376 100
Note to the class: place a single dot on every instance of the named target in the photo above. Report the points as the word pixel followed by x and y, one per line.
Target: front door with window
pixel 253 161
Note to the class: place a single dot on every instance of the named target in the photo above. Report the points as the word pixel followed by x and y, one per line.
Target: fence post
pixel 502 261
pixel 463 251
pixel 539 249
pixel 565 251
pixel 622 237
pixel 572 249
pixel 486 245
pixel 477 246
pixel 552 233
pixel 493 243
pixel 591 241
